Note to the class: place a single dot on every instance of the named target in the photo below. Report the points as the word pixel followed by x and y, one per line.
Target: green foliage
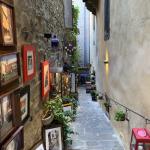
pixel 94 93
pixel 75 11
pixel 57 108
pixel 106 104
pixel 119 115
pixel 75 57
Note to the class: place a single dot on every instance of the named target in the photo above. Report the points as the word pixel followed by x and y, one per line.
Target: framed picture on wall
pixel 45 78
pixel 7 24
pixel 29 66
pixel 8 68
pixel 16 141
pixel 25 103
pixel 67 107
pixel 52 137
pixel 9 114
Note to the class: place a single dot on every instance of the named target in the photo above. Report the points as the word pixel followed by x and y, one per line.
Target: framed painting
pixel 52 137
pixel 45 78
pixel 25 103
pixel 16 141
pixel 8 68
pixel 29 66
pixel 7 24
pixel 67 107
pixel 9 114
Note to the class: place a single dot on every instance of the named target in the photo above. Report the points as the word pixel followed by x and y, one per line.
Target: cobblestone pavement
pixel 93 130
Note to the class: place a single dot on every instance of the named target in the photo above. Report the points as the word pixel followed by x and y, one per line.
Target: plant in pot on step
pixel 94 95
pixel 47 117
pixel 120 115
pixel 107 105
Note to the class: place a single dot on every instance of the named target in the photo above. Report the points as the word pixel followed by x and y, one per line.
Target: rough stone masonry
pixel 33 19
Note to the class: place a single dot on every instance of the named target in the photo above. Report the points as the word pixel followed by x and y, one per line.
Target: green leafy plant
pixel 120 115
pixel 94 93
pixel 73 101
pixel 57 108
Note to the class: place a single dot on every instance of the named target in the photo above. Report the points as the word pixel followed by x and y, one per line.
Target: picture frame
pixel 45 78
pixel 67 107
pixel 29 64
pixel 10 114
pixel 53 137
pixel 16 141
pixel 8 39
pixel 25 103
pixel 9 68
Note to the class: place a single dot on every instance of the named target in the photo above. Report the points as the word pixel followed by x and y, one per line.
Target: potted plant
pixel 120 115
pixel 107 106
pixel 47 117
pixel 94 95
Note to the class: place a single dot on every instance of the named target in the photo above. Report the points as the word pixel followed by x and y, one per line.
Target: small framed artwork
pixel 16 141
pixel 9 115
pixel 67 107
pixel 52 137
pixel 45 78
pixel 25 103
pixel 8 68
pixel 29 66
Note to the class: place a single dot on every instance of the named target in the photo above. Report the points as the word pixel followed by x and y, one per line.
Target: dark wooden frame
pixel 16 120
pixel 23 91
pixel 25 50
pixel 5 46
pixel 18 69
pixel 52 126
pixel 43 65
pixel 19 132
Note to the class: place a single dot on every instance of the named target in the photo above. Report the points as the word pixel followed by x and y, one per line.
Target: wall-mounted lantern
pixel 140 139
pixel 54 42
pixel 106 61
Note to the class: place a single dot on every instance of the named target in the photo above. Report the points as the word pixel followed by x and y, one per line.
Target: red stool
pixel 140 139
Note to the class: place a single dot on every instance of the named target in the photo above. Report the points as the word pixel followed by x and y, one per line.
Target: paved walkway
pixel 93 130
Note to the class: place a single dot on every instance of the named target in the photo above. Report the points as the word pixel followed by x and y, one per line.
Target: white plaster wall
pixel 128 81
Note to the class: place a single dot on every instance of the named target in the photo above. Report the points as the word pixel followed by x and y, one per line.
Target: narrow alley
pixel 93 131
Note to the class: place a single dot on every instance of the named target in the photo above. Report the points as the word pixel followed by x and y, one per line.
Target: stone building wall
pixel 127 78
pixel 33 19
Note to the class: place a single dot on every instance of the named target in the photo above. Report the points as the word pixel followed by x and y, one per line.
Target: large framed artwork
pixel 9 115
pixel 8 68
pixel 45 78
pixel 7 25
pixel 25 103
pixel 52 137
pixel 29 66
pixel 16 141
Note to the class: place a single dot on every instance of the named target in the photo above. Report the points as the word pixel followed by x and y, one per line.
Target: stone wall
pixel 33 19
pixel 128 79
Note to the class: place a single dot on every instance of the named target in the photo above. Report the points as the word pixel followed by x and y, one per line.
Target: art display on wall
pixel 16 141
pixel 6 115
pixel 25 103
pixel 45 78
pixel 7 25
pixel 8 68
pixel 67 107
pixel 53 138
pixel 29 65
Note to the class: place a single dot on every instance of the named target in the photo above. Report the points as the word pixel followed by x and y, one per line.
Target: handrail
pixel 147 120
